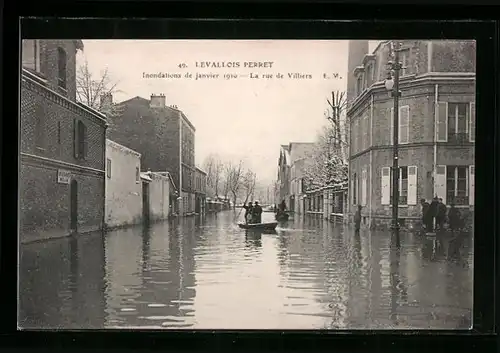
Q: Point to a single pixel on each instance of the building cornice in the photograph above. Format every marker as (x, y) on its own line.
(28, 158)
(411, 81)
(34, 84)
(368, 58)
(358, 69)
(405, 146)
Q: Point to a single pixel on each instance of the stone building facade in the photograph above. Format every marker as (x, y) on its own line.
(200, 187)
(62, 147)
(436, 130)
(300, 159)
(163, 136)
(123, 186)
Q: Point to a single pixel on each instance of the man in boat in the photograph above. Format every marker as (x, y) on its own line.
(281, 209)
(248, 212)
(257, 213)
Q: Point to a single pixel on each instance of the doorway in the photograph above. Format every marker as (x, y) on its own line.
(198, 205)
(74, 206)
(145, 202)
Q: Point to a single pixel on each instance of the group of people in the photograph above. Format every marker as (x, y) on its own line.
(253, 212)
(436, 214)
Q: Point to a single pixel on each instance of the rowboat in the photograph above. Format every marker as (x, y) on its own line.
(259, 226)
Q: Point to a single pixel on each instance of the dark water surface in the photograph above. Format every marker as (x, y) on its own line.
(208, 274)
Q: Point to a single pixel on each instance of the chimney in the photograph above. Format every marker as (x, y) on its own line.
(157, 101)
(106, 103)
(357, 50)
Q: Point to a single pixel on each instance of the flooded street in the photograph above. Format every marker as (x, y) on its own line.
(208, 274)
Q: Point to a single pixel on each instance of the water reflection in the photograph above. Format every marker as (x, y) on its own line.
(207, 273)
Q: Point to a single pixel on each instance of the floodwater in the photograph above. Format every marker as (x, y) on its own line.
(207, 273)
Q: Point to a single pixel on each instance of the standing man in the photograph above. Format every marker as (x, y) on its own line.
(433, 210)
(426, 219)
(441, 214)
(454, 218)
(248, 212)
(257, 213)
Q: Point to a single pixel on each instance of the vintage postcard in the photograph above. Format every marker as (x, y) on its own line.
(246, 184)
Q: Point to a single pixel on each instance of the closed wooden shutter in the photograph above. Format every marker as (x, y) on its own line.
(471, 184)
(412, 185)
(440, 182)
(363, 187)
(85, 141)
(472, 123)
(442, 122)
(386, 185)
(75, 139)
(404, 124)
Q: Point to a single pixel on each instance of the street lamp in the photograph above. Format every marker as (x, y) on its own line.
(392, 85)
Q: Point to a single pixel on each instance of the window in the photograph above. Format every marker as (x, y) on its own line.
(407, 185)
(404, 125)
(61, 66)
(39, 130)
(458, 122)
(354, 189)
(404, 57)
(359, 85)
(457, 185)
(80, 139)
(59, 132)
(472, 124)
(369, 75)
(364, 179)
(137, 174)
(108, 168)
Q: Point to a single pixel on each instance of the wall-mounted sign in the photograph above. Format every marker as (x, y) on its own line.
(63, 176)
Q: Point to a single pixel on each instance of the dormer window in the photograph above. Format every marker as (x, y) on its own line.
(359, 84)
(31, 54)
(404, 57)
(61, 65)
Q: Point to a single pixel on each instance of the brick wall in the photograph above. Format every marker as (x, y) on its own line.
(58, 119)
(154, 133)
(123, 191)
(49, 65)
(44, 204)
(454, 56)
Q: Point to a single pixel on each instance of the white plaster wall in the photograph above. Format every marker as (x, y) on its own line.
(159, 191)
(123, 204)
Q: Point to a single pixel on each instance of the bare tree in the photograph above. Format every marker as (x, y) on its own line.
(248, 183)
(97, 92)
(234, 178)
(214, 167)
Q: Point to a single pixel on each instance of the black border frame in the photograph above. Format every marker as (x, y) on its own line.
(481, 338)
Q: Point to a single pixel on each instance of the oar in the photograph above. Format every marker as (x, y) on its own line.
(244, 204)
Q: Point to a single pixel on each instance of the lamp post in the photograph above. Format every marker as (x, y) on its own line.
(392, 85)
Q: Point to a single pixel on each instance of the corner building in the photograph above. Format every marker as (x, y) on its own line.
(436, 129)
(164, 137)
(62, 147)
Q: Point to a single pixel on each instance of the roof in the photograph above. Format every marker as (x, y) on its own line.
(146, 177)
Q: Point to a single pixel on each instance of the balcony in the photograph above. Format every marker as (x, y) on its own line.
(458, 137)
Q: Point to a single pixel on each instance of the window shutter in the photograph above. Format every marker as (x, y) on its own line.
(75, 138)
(85, 141)
(404, 124)
(386, 185)
(440, 182)
(391, 123)
(363, 188)
(412, 185)
(472, 123)
(471, 184)
(442, 122)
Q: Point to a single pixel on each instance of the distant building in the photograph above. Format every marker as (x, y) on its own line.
(294, 159)
(62, 146)
(436, 128)
(164, 137)
(200, 191)
(123, 186)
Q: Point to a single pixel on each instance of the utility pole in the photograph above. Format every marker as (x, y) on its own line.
(392, 84)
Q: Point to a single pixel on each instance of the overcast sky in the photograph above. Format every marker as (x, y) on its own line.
(239, 118)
